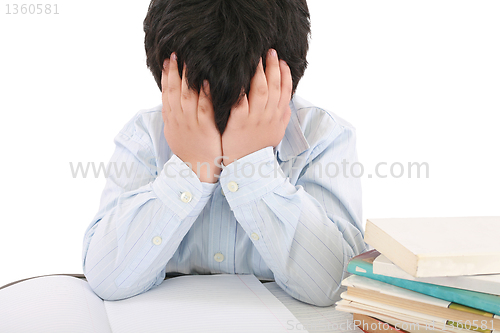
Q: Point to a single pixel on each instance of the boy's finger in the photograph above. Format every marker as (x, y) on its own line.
(205, 109)
(174, 85)
(273, 78)
(286, 86)
(189, 98)
(164, 86)
(257, 96)
(239, 113)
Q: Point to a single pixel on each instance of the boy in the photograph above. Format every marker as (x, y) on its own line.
(230, 174)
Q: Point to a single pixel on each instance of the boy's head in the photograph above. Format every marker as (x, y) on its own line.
(222, 41)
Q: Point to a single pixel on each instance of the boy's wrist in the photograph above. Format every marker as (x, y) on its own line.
(205, 171)
(210, 175)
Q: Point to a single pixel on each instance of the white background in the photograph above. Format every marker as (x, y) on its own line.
(419, 80)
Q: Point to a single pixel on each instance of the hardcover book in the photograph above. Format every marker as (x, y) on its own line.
(442, 246)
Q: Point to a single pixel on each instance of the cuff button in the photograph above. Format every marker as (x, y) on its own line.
(186, 197)
(232, 186)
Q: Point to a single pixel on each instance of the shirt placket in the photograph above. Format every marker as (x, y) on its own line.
(222, 231)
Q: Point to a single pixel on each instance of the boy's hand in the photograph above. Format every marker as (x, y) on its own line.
(260, 119)
(190, 128)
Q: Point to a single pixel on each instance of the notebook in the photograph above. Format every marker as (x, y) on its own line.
(191, 303)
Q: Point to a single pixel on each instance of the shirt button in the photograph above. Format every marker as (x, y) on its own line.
(186, 197)
(255, 236)
(157, 240)
(222, 191)
(219, 257)
(232, 186)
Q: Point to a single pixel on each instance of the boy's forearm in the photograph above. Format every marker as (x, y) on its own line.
(303, 233)
(128, 247)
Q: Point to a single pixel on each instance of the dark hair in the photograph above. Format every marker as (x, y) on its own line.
(222, 41)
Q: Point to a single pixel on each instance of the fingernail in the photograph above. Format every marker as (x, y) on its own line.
(173, 56)
(205, 84)
(272, 53)
(166, 63)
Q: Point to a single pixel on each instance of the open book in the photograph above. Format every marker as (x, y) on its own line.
(194, 303)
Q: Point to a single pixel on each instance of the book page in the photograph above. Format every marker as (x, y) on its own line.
(52, 304)
(202, 303)
(314, 319)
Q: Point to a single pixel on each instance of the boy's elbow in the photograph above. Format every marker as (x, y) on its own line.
(316, 301)
(108, 291)
(332, 291)
(332, 295)
(323, 301)
(115, 297)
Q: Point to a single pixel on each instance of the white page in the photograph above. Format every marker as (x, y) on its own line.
(202, 303)
(52, 304)
(314, 318)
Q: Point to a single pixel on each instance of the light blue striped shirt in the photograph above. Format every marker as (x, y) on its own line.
(290, 214)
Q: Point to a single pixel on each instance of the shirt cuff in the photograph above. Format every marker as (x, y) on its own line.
(251, 177)
(178, 187)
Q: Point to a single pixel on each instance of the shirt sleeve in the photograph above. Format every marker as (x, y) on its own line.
(143, 216)
(307, 232)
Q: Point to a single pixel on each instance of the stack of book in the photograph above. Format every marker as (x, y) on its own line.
(426, 275)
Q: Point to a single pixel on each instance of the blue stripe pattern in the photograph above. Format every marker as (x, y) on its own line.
(295, 216)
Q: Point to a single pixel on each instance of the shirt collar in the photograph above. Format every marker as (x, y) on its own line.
(294, 141)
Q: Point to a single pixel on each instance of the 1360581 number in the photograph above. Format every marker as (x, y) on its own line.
(35, 9)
